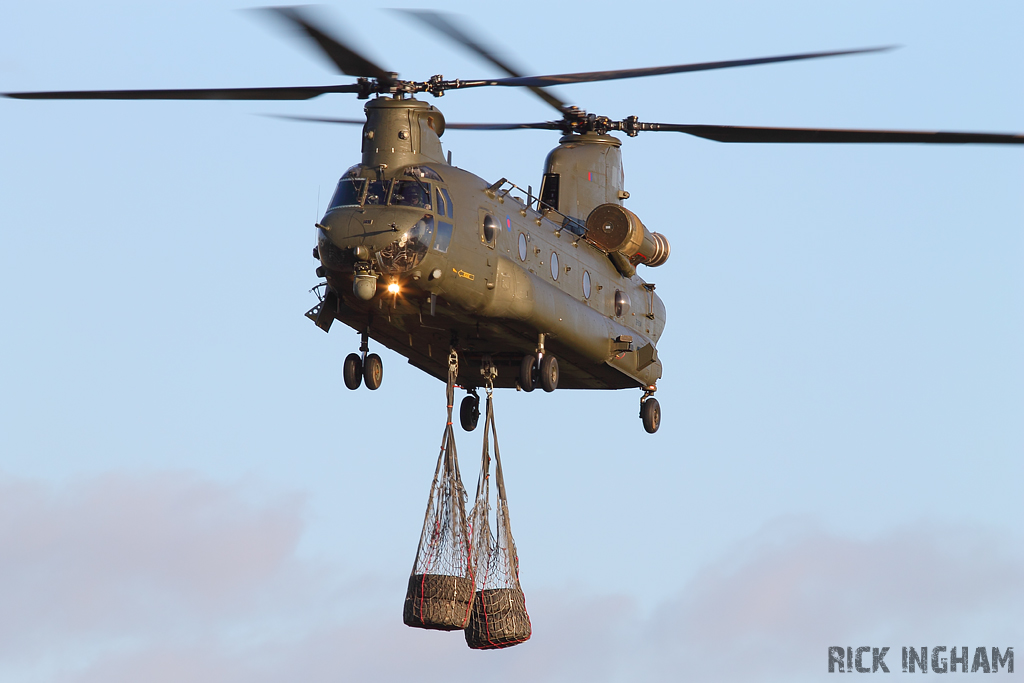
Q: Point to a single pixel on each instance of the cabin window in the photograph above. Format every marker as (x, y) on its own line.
(549, 191)
(347, 193)
(414, 193)
(586, 284)
(522, 247)
(489, 230)
(621, 303)
(448, 201)
(554, 266)
(444, 236)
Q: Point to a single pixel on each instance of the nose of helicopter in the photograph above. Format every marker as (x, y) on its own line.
(395, 238)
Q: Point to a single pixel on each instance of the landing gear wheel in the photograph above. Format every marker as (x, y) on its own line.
(528, 372)
(353, 371)
(469, 412)
(650, 413)
(373, 371)
(549, 373)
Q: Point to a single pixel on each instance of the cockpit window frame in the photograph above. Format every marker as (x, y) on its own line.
(358, 199)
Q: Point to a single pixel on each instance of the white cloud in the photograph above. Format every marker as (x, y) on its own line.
(173, 578)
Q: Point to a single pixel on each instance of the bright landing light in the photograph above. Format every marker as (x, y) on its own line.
(393, 288)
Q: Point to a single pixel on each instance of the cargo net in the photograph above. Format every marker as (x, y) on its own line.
(440, 591)
(499, 618)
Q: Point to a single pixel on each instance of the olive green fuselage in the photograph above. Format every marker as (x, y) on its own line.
(453, 246)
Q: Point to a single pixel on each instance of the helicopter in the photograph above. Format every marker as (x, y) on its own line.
(532, 290)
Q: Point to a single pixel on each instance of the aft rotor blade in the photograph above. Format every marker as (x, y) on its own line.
(833, 135)
(544, 125)
(285, 93)
(447, 27)
(586, 77)
(347, 60)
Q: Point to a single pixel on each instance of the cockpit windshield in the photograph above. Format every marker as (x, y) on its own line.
(355, 191)
(377, 192)
(411, 193)
(347, 193)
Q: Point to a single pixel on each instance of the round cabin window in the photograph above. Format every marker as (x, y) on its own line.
(490, 229)
(554, 266)
(586, 284)
(621, 303)
(522, 247)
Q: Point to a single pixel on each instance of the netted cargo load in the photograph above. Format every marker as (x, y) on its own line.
(441, 587)
(499, 618)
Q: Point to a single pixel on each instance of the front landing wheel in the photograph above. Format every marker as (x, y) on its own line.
(353, 371)
(528, 372)
(549, 373)
(650, 413)
(373, 371)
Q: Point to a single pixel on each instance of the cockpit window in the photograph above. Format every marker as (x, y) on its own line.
(448, 201)
(408, 250)
(422, 172)
(377, 192)
(441, 204)
(347, 193)
(411, 193)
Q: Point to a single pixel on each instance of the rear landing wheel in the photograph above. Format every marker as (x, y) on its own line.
(469, 412)
(650, 413)
(353, 371)
(549, 373)
(373, 371)
(528, 372)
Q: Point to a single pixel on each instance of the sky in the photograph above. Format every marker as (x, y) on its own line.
(188, 492)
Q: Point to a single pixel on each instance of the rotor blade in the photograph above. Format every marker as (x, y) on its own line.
(447, 27)
(285, 93)
(586, 77)
(832, 135)
(347, 60)
(544, 125)
(276, 93)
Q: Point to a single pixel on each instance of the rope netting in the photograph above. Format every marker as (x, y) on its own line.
(440, 592)
(498, 618)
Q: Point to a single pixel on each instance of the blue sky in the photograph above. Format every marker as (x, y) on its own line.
(189, 492)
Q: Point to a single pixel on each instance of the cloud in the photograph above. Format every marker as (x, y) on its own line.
(123, 555)
(773, 607)
(171, 577)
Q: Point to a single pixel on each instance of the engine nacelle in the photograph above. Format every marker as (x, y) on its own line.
(617, 229)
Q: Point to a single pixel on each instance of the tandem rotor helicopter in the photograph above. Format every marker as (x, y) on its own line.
(532, 290)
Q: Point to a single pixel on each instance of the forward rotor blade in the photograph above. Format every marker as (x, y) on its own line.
(832, 135)
(347, 60)
(447, 27)
(285, 93)
(544, 125)
(586, 77)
